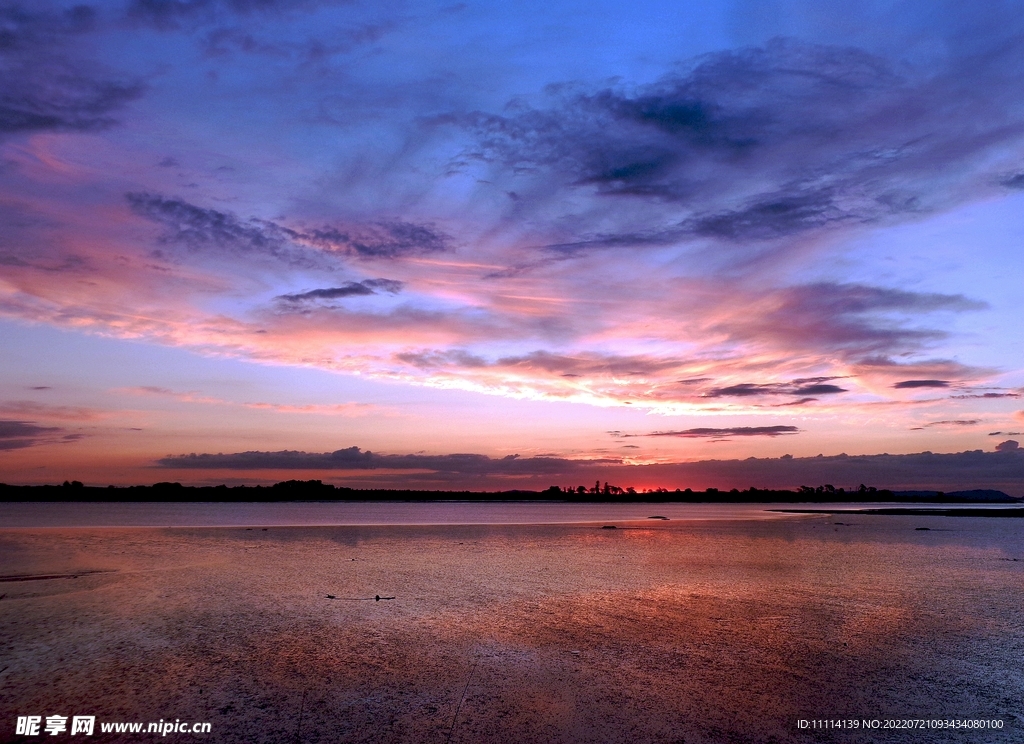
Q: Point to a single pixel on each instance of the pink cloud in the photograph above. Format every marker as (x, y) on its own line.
(336, 409)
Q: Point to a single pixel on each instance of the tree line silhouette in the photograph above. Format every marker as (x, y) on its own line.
(315, 490)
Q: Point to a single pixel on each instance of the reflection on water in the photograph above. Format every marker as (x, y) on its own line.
(726, 629)
(262, 514)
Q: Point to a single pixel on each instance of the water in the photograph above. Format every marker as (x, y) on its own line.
(264, 514)
(511, 622)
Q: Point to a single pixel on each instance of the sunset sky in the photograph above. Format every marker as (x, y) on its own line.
(614, 239)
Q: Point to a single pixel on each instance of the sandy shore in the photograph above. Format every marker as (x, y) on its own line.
(652, 632)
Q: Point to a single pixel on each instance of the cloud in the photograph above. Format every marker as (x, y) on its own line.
(352, 458)
(736, 431)
(800, 387)
(797, 402)
(1015, 182)
(173, 14)
(984, 396)
(200, 229)
(21, 434)
(854, 319)
(1009, 445)
(193, 396)
(730, 150)
(925, 470)
(547, 363)
(222, 41)
(350, 289)
(383, 239)
(891, 372)
(44, 84)
(757, 144)
(910, 384)
(42, 410)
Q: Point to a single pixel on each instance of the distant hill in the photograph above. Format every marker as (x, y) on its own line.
(975, 496)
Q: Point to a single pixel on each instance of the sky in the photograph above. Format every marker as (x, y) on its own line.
(486, 245)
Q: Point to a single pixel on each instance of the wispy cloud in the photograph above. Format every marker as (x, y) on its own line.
(948, 423)
(760, 144)
(35, 410)
(734, 431)
(45, 82)
(200, 229)
(22, 434)
(324, 409)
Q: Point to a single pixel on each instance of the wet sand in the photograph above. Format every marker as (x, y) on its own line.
(656, 631)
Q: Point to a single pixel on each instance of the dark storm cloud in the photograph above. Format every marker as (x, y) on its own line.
(44, 83)
(910, 384)
(199, 228)
(736, 431)
(21, 434)
(352, 458)
(350, 289)
(763, 143)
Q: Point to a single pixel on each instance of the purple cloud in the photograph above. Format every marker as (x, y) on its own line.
(21, 434)
(911, 384)
(735, 431)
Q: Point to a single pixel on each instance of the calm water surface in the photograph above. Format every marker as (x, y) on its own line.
(262, 514)
(510, 622)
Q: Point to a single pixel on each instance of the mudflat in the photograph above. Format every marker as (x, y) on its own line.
(662, 630)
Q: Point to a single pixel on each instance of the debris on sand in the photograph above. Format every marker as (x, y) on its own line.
(47, 577)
